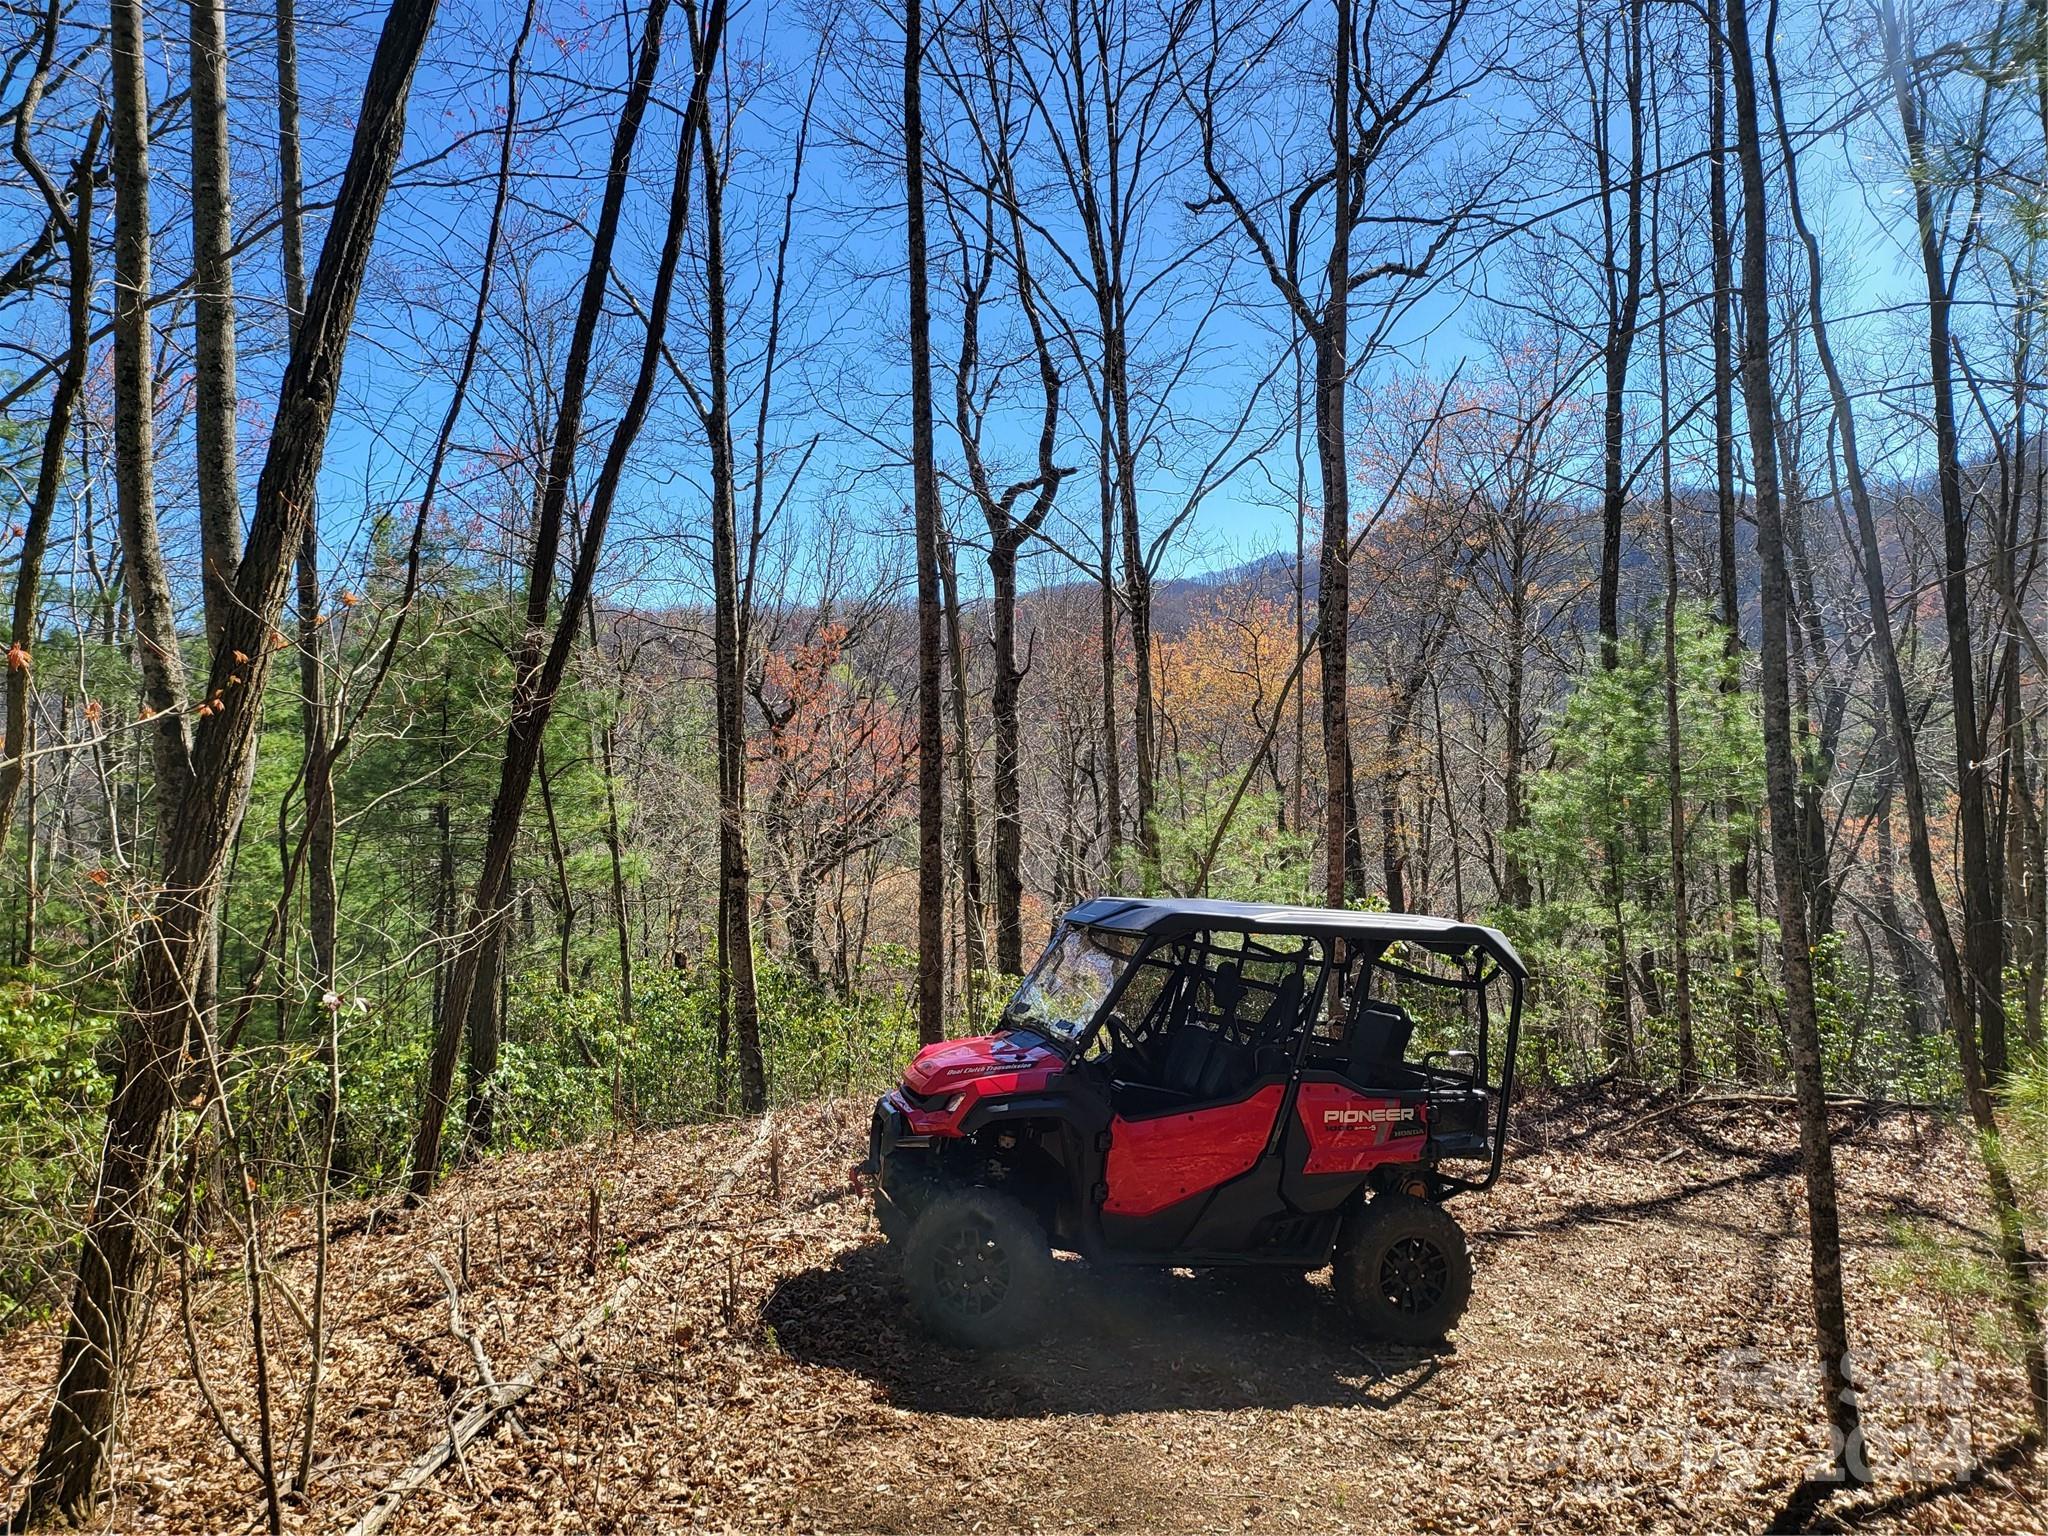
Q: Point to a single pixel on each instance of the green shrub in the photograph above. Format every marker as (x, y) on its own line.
(53, 1095)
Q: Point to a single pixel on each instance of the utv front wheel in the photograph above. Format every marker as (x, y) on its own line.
(1403, 1270)
(978, 1268)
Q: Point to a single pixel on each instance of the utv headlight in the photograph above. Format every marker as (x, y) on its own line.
(955, 1102)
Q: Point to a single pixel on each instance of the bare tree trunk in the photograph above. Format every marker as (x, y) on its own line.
(565, 899)
(1137, 585)
(213, 310)
(615, 845)
(994, 100)
(148, 587)
(1112, 740)
(1983, 936)
(735, 874)
(1514, 809)
(322, 896)
(543, 658)
(1622, 277)
(1333, 595)
(931, 745)
(156, 1030)
(1905, 957)
(2013, 1248)
(486, 1034)
(967, 835)
(2024, 874)
(72, 219)
(1674, 761)
(1840, 1398)
(1742, 947)
(1622, 273)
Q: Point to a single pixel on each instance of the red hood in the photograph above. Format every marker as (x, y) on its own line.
(952, 1063)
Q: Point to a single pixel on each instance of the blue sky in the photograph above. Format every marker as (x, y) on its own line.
(843, 381)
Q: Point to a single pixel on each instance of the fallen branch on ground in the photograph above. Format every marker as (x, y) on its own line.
(467, 1335)
(1853, 1101)
(563, 1347)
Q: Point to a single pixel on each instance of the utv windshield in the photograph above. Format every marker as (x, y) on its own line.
(1060, 997)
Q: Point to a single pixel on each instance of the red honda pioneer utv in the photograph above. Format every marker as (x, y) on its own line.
(1206, 1083)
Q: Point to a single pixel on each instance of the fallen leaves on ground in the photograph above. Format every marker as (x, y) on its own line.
(1636, 1358)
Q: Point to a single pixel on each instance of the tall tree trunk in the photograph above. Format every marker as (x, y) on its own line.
(542, 658)
(924, 470)
(323, 903)
(486, 1034)
(1983, 936)
(153, 609)
(1749, 1056)
(1333, 597)
(1514, 808)
(1622, 276)
(1674, 759)
(156, 1031)
(735, 872)
(73, 222)
(1009, 530)
(1840, 1399)
(966, 830)
(615, 846)
(1112, 741)
(213, 312)
(1006, 781)
(2013, 1248)
(1138, 599)
(1899, 944)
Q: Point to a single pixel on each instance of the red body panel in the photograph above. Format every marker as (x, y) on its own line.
(1160, 1161)
(978, 1067)
(1349, 1131)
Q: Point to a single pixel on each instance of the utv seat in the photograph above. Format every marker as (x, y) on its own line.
(1379, 1034)
(1201, 1064)
(1374, 1046)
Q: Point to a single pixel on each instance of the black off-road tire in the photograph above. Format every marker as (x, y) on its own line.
(979, 1269)
(1403, 1270)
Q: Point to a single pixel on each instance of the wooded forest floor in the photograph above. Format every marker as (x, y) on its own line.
(766, 1375)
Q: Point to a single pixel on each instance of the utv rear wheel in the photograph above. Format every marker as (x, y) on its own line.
(978, 1268)
(1404, 1271)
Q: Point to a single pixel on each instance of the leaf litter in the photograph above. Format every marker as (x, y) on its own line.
(1636, 1358)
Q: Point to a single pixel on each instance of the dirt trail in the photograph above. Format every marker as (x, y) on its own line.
(1632, 1361)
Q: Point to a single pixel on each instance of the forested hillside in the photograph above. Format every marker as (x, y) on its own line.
(575, 573)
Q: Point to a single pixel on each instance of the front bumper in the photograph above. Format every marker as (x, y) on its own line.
(884, 1174)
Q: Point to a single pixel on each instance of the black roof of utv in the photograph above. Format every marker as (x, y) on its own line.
(1158, 917)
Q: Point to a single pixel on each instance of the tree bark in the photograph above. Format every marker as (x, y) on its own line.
(1749, 1064)
(1840, 1399)
(1983, 935)
(1622, 274)
(153, 609)
(924, 471)
(1333, 595)
(323, 902)
(486, 1035)
(735, 872)
(213, 312)
(72, 218)
(966, 832)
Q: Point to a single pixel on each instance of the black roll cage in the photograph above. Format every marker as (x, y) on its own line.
(1369, 955)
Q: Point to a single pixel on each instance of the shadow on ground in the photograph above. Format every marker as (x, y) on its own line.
(1120, 1341)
